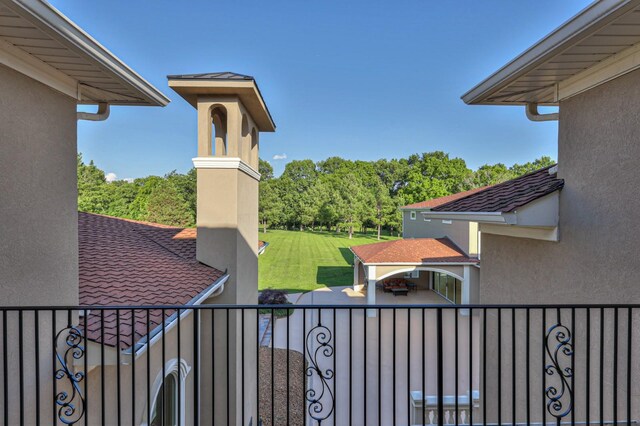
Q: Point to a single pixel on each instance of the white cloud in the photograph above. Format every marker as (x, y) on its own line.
(111, 177)
(282, 156)
(130, 180)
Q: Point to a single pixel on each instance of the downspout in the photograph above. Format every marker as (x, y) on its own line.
(532, 114)
(101, 115)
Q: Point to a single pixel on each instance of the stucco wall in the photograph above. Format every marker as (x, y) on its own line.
(38, 223)
(595, 260)
(464, 234)
(598, 154)
(228, 240)
(38, 194)
(154, 380)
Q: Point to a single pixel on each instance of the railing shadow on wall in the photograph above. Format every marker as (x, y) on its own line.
(409, 365)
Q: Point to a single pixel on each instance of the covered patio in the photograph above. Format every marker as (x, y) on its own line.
(408, 267)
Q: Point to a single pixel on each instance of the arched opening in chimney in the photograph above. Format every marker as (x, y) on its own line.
(243, 150)
(219, 133)
(254, 162)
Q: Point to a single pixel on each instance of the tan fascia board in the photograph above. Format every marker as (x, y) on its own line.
(246, 90)
(594, 17)
(56, 25)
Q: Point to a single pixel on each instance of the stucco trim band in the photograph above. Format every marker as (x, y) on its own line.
(225, 163)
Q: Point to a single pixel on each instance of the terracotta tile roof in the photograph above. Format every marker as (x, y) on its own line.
(508, 196)
(435, 202)
(413, 250)
(126, 262)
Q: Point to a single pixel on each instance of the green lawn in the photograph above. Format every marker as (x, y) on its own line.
(304, 261)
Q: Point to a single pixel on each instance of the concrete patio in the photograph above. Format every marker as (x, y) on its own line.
(381, 356)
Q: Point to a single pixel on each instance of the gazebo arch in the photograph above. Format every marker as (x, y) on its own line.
(418, 268)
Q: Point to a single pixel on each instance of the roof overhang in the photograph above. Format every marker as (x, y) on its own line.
(246, 90)
(537, 219)
(423, 263)
(39, 41)
(605, 35)
(481, 217)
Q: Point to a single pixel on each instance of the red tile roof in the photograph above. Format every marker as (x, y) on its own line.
(127, 262)
(414, 250)
(435, 202)
(508, 196)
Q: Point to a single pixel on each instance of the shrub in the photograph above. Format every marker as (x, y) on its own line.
(273, 297)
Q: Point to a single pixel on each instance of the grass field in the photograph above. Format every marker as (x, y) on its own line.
(303, 261)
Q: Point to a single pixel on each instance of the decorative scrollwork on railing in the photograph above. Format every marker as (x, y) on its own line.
(68, 348)
(318, 348)
(560, 351)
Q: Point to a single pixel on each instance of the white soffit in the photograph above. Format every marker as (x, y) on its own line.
(39, 41)
(607, 32)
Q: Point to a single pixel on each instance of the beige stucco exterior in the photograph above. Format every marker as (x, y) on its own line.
(595, 260)
(227, 221)
(463, 233)
(38, 230)
(38, 216)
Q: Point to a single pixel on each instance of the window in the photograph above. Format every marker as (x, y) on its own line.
(167, 403)
(412, 274)
(446, 222)
(448, 287)
(412, 215)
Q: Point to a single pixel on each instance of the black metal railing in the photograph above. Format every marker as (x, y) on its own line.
(325, 365)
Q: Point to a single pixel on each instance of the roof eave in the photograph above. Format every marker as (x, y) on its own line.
(483, 217)
(593, 17)
(155, 335)
(187, 87)
(57, 25)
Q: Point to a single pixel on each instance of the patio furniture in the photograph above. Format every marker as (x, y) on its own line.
(400, 291)
(412, 286)
(394, 283)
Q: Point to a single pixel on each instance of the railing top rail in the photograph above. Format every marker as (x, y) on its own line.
(338, 307)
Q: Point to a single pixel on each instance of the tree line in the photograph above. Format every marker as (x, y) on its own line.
(335, 194)
(344, 195)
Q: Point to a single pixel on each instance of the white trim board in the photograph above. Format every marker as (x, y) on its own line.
(225, 163)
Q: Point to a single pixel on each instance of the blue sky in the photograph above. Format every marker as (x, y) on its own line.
(357, 79)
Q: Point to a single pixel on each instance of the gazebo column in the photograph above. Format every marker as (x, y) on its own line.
(371, 289)
(356, 274)
(466, 285)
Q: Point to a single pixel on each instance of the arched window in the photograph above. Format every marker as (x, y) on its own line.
(169, 395)
(165, 407)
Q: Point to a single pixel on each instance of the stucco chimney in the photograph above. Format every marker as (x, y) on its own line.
(231, 113)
